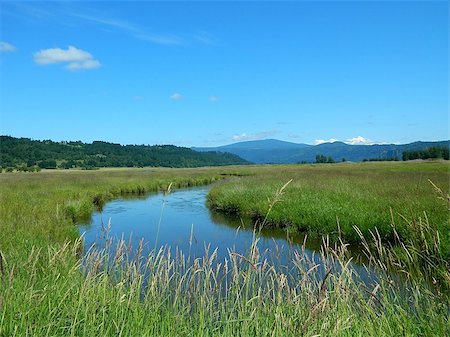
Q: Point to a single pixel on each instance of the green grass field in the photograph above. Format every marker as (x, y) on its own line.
(332, 199)
(46, 291)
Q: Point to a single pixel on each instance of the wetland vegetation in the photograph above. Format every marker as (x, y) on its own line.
(396, 198)
(397, 212)
(310, 139)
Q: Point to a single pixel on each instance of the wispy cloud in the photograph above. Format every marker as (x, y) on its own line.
(26, 10)
(206, 38)
(107, 22)
(160, 39)
(64, 14)
(6, 47)
(135, 31)
(321, 141)
(359, 140)
(253, 136)
(213, 98)
(76, 59)
(176, 97)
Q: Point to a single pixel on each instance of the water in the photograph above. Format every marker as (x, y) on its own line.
(181, 220)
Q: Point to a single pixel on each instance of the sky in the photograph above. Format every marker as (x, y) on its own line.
(213, 73)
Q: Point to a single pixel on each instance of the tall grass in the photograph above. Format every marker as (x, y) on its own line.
(48, 289)
(38, 209)
(122, 293)
(395, 198)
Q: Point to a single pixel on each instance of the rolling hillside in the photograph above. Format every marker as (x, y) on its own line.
(276, 151)
(24, 152)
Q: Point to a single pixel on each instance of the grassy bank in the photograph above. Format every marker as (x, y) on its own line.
(160, 295)
(397, 198)
(38, 209)
(46, 290)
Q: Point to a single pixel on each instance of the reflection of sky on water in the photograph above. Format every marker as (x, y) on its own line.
(179, 213)
(182, 211)
(118, 209)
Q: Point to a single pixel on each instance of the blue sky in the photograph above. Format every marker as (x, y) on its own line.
(213, 73)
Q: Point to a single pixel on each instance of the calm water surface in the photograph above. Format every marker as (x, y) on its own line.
(181, 213)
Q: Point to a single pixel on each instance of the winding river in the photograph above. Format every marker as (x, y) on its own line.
(182, 221)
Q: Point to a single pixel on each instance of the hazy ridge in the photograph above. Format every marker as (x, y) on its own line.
(277, 151)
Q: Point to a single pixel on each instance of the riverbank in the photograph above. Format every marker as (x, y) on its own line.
(398, 199)
(46, 291)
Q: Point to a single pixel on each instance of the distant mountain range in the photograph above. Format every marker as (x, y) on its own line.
(21, 153)
(277, 151)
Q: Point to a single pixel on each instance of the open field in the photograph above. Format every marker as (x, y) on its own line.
(40, 208)
(332, 199)
(45, 290)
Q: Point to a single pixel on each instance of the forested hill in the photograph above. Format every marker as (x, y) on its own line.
(276, 151)
(24, 152)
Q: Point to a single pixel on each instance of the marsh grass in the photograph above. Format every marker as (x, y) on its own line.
(395, 199)
(48, 289)
(117, 291)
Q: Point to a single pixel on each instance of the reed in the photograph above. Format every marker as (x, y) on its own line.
(396, 199)
(49, 288)
(116, 291)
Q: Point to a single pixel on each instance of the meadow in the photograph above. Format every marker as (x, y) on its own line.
(397, 198)
(48, 288)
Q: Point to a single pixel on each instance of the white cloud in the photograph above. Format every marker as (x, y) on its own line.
(176, 97)
(213, 98)
(88, 64)
(57, 55)
(76, 58)
(321, 141)
(242, 136)
(358, 141)
(6, 47)
(254, 136)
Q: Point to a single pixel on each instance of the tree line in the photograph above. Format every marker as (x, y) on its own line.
(24, 154)
(434, 152)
